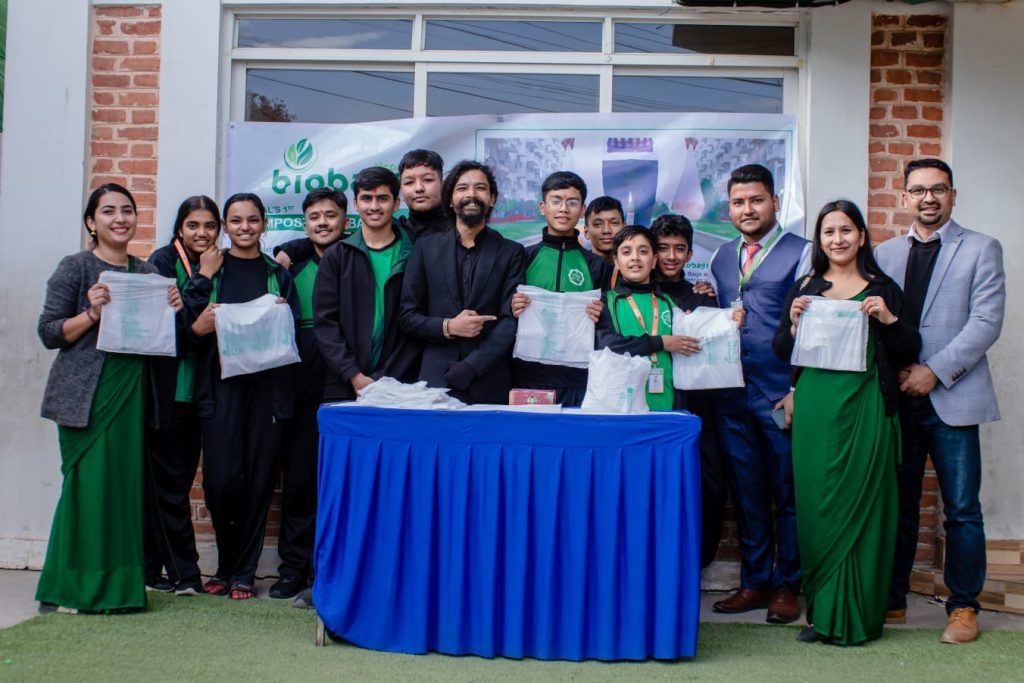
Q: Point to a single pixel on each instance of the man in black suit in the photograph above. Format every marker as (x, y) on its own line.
(457, 293)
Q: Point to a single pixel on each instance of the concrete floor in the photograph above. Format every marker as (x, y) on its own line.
(17, 604)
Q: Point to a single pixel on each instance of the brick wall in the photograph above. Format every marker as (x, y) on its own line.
(909, 76)
(125, 98)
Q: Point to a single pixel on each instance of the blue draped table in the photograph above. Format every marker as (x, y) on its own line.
(514, 534)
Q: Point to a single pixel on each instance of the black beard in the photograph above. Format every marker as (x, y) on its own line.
(471, 220)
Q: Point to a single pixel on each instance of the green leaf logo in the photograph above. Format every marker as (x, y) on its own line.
(300, 155)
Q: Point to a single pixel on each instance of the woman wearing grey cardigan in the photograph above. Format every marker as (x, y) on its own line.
(94, 557)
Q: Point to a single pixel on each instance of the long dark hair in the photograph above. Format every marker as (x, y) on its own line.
(452, 179)
(199, 202)
(867, 266)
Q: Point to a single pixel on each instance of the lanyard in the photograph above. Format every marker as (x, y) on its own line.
(760, 256)
(640, 319)
(184, 257)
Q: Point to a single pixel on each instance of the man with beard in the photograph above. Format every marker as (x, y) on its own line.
(955, 295)
(457, 297)
(325, 216)
(420, 172)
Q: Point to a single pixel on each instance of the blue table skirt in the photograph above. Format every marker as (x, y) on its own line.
(556, 536)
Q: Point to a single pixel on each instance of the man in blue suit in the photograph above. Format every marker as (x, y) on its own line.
(758, 268)
(954, 294)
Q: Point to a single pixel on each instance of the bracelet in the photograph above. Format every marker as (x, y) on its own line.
(444, 328)
(88, 314)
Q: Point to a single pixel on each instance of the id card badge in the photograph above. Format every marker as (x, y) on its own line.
(656, 381)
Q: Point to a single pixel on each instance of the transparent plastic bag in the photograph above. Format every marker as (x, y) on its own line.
(833, 335)
(616, 383)
(138, 318)
(254, 336)
(388, 392)
(554, 329)
(718, 364)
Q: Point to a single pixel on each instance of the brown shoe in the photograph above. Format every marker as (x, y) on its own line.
(784, 608)
(743, 600)
(896, 616)
(962, 627)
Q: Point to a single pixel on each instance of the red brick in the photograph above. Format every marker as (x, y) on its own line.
(903, 38)
(140, 28)
(898, 76)
(138, 98)
(110, 81)
(902, 218)
(146, 80)
(98, 180)
(111, 149)
(904, 111)
(110, 47)
(103, 165)
(929, 77)
(922, 95)
(140, 249)
(925, 21)
(141, 64)
(143, 149)
(882, 165)
(145, 215)
(154, 11)
(897, 183)
(137, 166)
(919, 131)
(932, 113)
(876, 147)
(884, 58)
(876, 75)
(145, 47)
(109, 115)
(118, 11)
(138, 133)
(929, 519)
(925, 61)
(102, 98)
(929, 149)
(883, 130)
(882, 200)
(887, 20)
(106, 26)
(877, 38)
(935, 40)
(104, 63)
(102, 133)
(145, 199)
(925, 555)
(144, 116)
(879, 235)
(884, 95)
(145, 233)
(901, 149)
(143, 183)
(876, 113)
(876, 182)
(877, 218)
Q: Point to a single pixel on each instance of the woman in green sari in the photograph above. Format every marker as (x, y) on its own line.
(94, 558)
(846, 438)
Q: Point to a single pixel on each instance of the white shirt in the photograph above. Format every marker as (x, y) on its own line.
(938, 234)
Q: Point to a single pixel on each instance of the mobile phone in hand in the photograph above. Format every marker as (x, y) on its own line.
(779, 417)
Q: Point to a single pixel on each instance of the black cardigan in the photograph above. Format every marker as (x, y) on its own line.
(896, 345)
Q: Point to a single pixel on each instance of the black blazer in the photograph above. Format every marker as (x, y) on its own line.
(431, 293)
(896, 345)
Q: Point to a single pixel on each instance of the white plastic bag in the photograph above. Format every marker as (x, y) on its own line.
(832, 334)
(254, 336)
(554, 329)
(138, 318)
(388, 392)
(616, 383)
(718, 364)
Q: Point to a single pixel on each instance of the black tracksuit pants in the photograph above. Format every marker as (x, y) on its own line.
(172, 456)
(241, 442)
(299, 490)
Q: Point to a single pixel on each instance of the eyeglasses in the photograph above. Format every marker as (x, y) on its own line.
(556, 203)
(939, 191)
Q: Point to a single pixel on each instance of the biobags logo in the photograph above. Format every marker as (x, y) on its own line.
(298, 158)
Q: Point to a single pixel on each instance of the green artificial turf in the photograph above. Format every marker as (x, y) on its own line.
(213, 639)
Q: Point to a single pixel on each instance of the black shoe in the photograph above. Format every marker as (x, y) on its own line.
(47, 608)
(191, 586)
(809, 635)
(304, 599)
(160, 584)
(288, 587)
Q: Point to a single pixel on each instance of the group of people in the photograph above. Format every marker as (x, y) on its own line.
(824, 467)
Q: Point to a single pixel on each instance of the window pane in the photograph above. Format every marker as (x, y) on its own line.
(714, 40)
(671, 93)
(320, 96)
(457, 94)
(520, 36)
(364, 34)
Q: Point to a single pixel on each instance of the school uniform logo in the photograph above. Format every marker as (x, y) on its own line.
(576, 276)
(666, 319)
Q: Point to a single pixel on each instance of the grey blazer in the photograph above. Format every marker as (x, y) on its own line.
(961, 319)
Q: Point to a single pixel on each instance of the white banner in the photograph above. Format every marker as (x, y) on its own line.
(652, 163)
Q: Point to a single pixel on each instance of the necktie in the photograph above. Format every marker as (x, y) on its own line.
(752, 250)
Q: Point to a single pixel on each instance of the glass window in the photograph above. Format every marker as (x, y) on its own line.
(696, 94)
(455, 94)
(324, 96)
(714, 40)
(338, 34)
(518, 36)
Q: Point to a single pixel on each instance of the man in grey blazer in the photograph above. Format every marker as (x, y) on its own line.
(954, 295)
